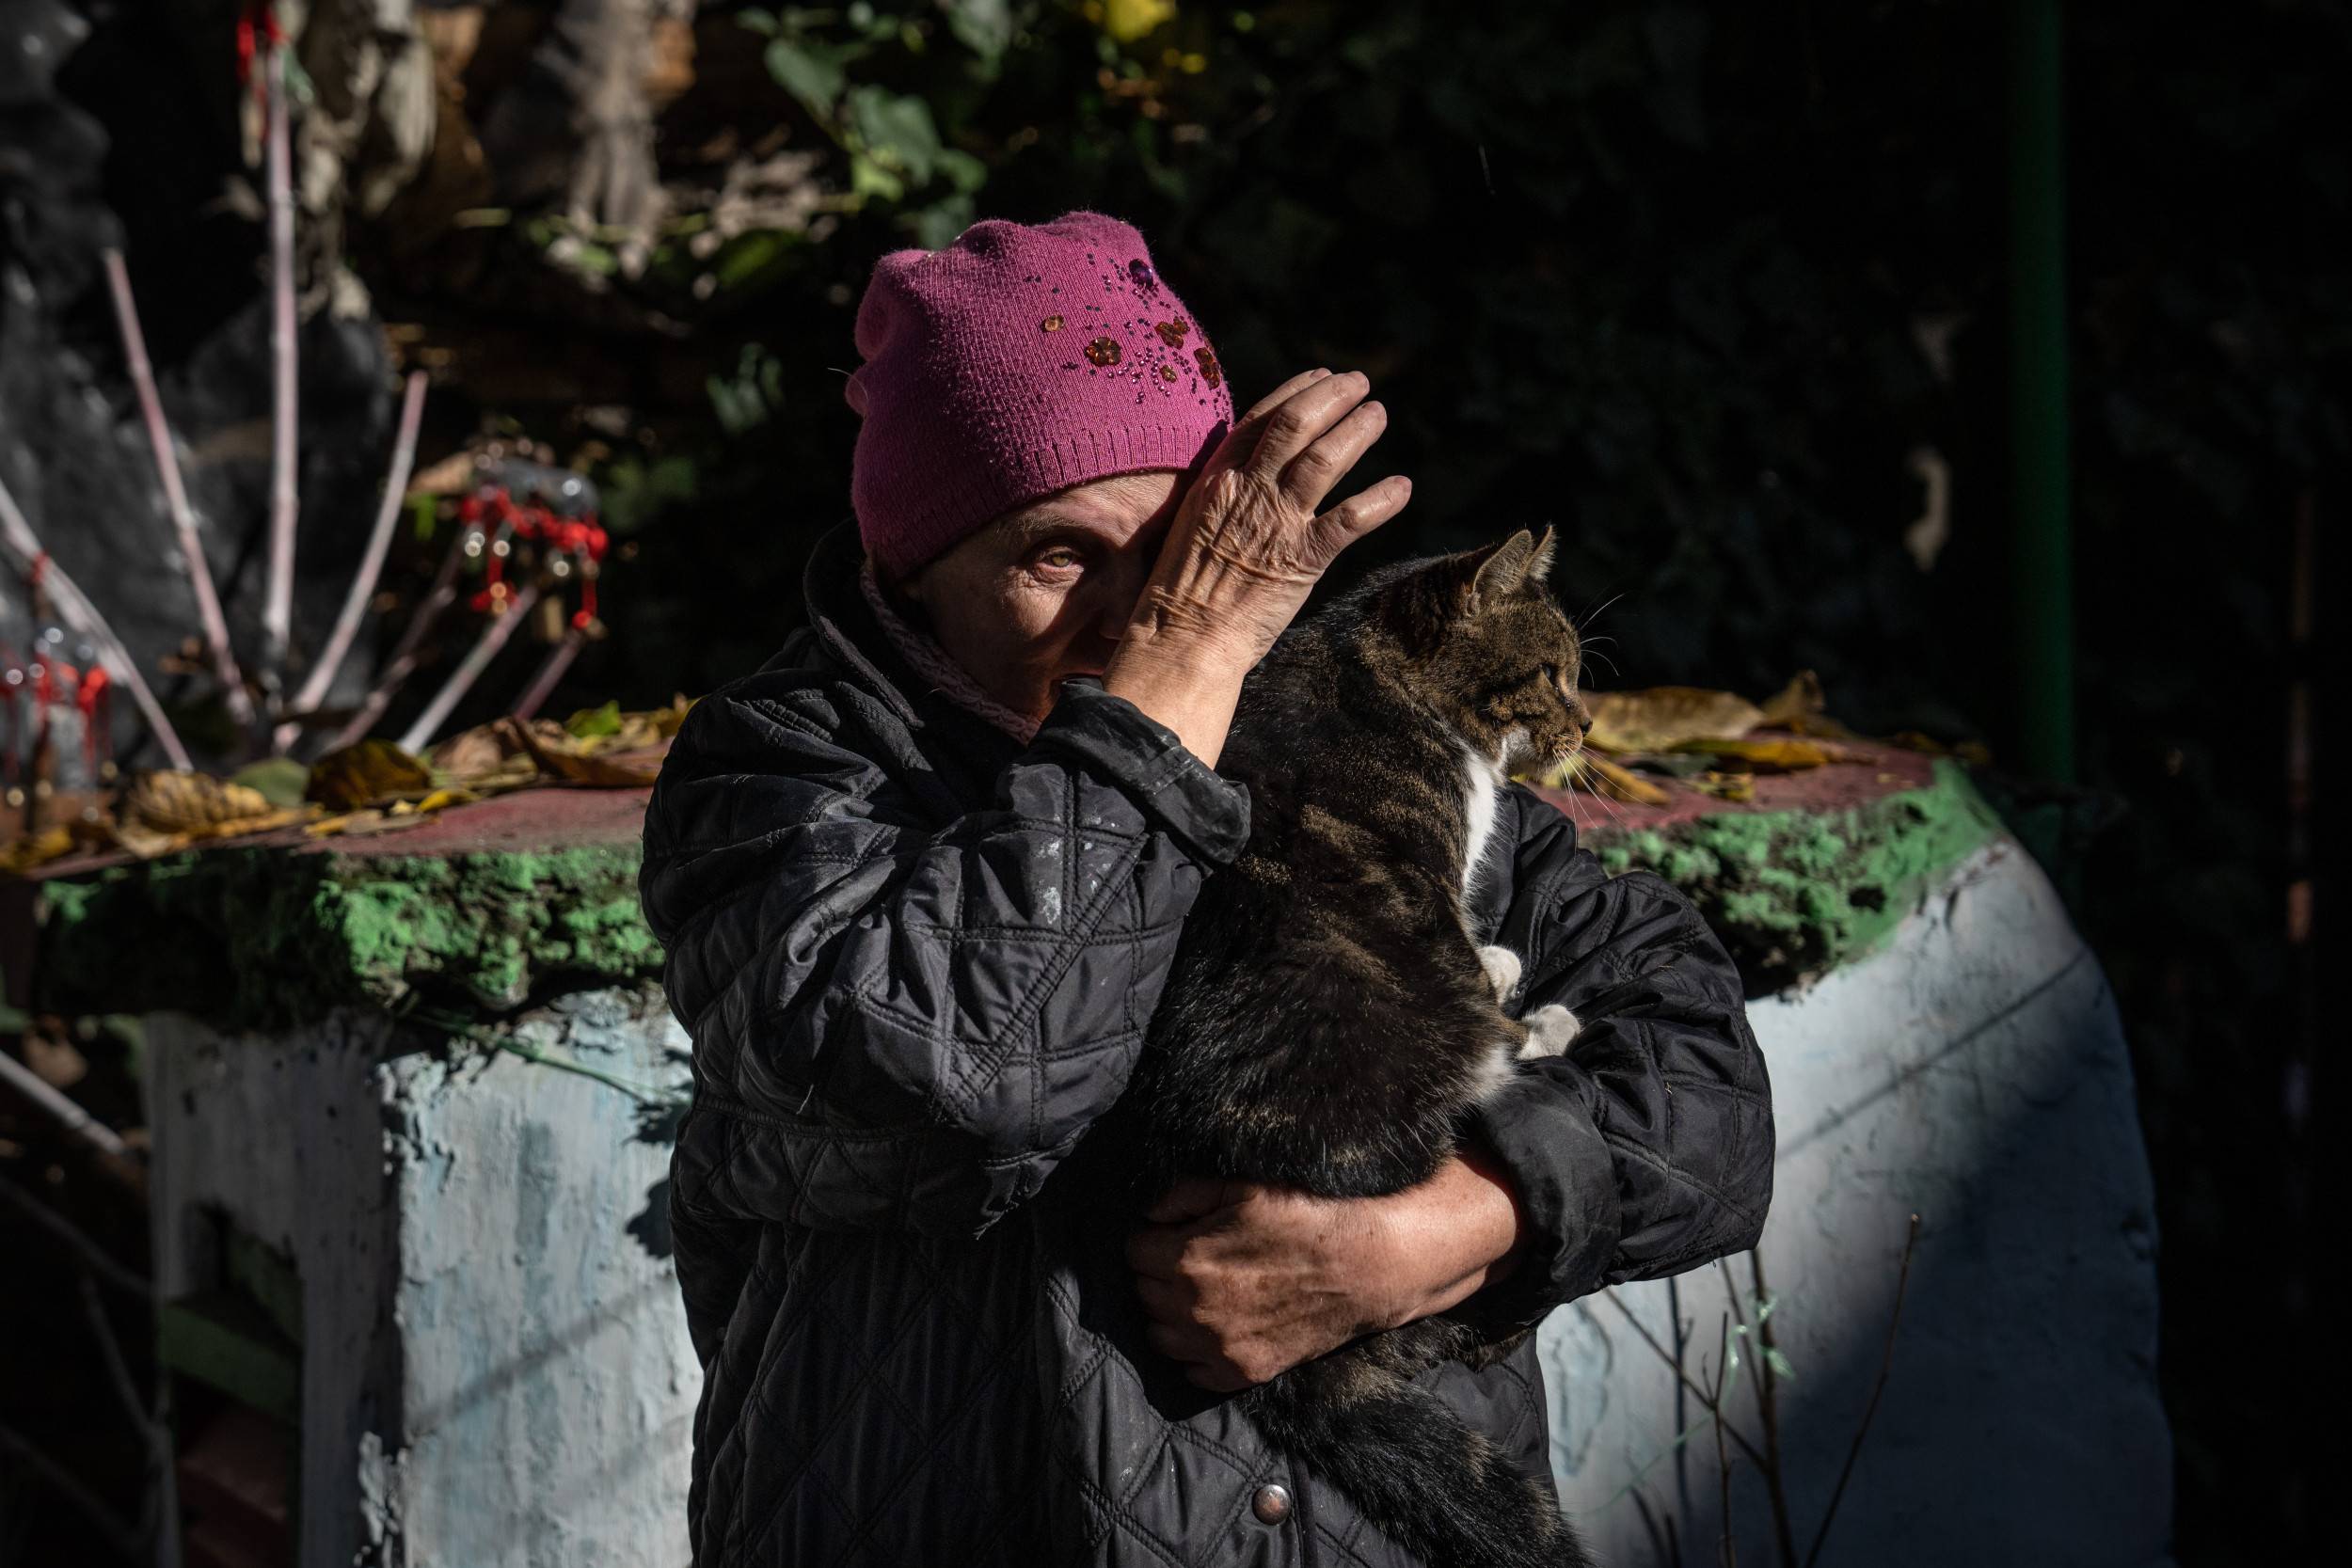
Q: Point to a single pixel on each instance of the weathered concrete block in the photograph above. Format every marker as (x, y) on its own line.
(1971, 1071)
(494, 1361)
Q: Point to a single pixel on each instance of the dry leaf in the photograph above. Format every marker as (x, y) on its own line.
(371, 770)
(281, 780)
(1605, 779)
(27, 850)
(1664, 717)
(1763, 756)
(470, 754)
(1725, 787)
(1799, 699)
(186, 803)
(586, 769)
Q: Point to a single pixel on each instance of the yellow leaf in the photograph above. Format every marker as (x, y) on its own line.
(371, 770)
(188, 803)
(1763, 756)
(1129, 20)
(31, 849)
(1664, 716)
(1605, 779)
(1799, 699)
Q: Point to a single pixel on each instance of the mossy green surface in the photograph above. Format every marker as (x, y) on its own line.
(1792, 894)
(264, 939)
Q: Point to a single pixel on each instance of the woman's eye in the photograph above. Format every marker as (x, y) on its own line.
(1059, 560)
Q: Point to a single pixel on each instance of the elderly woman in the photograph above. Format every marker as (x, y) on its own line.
(920, 879)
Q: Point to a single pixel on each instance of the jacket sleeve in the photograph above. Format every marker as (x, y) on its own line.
(899, 1023)
(1647, 1149)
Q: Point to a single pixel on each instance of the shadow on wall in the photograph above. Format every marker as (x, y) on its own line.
(652, 1226)
(1972, 1072)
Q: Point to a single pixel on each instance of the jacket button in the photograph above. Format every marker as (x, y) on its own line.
(1272, 1505)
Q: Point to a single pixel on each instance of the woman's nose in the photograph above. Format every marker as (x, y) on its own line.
(1121, 589)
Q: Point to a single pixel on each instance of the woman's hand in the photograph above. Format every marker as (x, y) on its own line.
(1246, 547)
(1242, 1282)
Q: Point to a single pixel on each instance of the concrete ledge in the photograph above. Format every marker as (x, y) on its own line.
(475, 909)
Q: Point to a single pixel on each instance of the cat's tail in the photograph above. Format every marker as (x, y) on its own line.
(1410, 1464)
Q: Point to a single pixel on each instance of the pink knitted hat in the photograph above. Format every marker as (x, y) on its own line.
(1016, 362)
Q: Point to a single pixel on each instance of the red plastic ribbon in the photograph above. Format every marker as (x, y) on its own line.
(496, 513)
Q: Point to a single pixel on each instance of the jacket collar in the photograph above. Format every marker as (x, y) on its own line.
(843, 623)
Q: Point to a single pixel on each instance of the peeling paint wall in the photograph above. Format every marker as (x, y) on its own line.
(1972, 1070)
(496, 1368)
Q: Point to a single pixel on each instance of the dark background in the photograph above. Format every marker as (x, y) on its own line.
(1691, 281)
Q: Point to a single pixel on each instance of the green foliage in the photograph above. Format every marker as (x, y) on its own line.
(891, 137)
(744, 400)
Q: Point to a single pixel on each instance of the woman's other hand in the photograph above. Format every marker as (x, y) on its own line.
(1246, 547)
(1242, 1281)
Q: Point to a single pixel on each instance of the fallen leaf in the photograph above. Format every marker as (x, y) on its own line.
(1763, 756)
(382, 822)
(281, 781)
(470, 754)
(185, 802)
(27, 850)
(1738, 787)
(1605, 779)
(370, 770)
(1800, 699)
(1664, 716)
(590, 722)
(586, 769)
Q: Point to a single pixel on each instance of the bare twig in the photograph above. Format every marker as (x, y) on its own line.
(175, 493)
(1760, 1376)
(121, 1538)
(354, 610)
(1886, 1363)
(76, 1121)
(93, 1256)
(1728, 1552)
(461, 680)
(83, 617)
(284, 509)
(550, 671)
(403, 661)
(1705, 1398)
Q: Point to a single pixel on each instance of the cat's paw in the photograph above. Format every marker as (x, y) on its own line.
(1550, 1028)
(1503, 970)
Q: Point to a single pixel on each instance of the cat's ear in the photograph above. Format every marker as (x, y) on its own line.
(1539, 565)
(1496, 572)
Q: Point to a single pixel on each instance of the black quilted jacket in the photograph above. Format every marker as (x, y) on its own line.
(917, 961)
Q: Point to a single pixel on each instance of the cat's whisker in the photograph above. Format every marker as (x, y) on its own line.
(1598, 613)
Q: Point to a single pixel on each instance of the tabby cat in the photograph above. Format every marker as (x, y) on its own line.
(1329, 1020)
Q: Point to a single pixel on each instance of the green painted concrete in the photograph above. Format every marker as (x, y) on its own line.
(266, 938)
(1793, 894)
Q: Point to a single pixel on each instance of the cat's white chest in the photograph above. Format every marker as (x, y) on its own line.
(1482, 785)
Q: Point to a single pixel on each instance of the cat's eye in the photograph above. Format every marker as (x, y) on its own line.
(1551, 676)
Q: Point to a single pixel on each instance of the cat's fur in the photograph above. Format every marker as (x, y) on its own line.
(1329, 1019)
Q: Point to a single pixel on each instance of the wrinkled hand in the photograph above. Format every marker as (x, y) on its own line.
(1242, 1282)
(1246, 547)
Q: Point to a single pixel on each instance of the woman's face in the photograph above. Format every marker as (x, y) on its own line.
(1045, 592)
